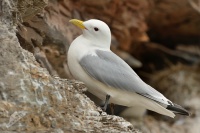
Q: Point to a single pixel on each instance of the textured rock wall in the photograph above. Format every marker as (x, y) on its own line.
(33, 101)
(53, 34)
(175, 21)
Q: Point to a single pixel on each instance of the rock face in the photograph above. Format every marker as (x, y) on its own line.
(175, 21)
(33, 101)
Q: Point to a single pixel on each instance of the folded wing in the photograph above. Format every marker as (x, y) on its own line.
(111, 70)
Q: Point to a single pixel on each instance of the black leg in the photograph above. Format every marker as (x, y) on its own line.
(106, 102)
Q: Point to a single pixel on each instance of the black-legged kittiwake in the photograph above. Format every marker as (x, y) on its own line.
(107, 76)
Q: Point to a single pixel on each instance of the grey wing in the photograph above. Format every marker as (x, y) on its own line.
(111, 70)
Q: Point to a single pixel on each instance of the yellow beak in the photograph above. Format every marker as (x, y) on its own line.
(78, 23)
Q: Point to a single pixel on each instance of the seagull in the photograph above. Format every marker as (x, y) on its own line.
(107, 76)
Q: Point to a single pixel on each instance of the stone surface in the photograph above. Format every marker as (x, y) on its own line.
(33, 101)
(174, 21)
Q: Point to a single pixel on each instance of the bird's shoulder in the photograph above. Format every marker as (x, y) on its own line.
(105, 55)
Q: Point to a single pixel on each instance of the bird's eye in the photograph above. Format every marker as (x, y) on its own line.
(96, 29)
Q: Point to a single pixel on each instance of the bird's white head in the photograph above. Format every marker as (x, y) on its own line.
(96, 31)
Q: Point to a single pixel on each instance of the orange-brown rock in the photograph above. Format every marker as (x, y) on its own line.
(174, 21)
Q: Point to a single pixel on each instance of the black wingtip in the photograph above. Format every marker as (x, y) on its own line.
(177, 109)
